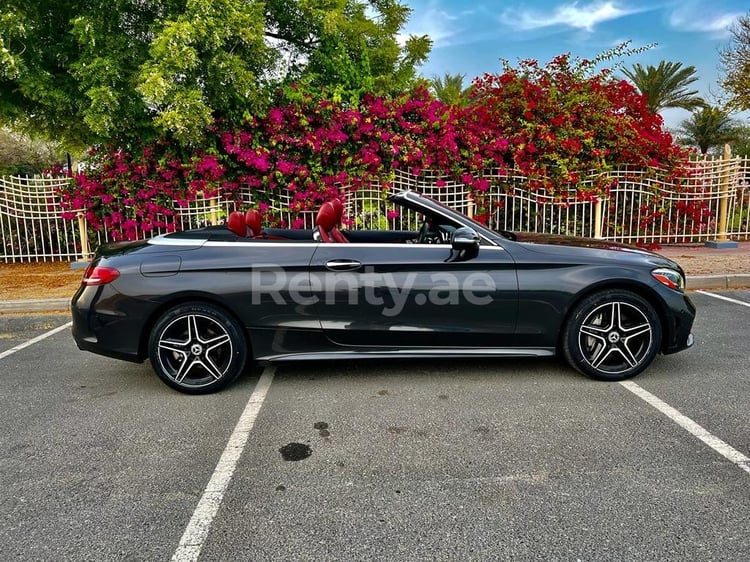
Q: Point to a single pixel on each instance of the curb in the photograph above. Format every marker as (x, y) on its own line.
(34, 305)
(720, 281)
(693, 282)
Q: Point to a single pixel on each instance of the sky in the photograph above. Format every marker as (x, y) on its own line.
(470, 37)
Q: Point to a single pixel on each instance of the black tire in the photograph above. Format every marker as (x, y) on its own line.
(197, 348)
(612, 335)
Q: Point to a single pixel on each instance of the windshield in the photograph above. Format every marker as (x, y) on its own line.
(444, 212)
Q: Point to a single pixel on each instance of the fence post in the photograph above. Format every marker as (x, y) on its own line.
(724, 201)
(84, 233)
(598, 218)
(722, 241)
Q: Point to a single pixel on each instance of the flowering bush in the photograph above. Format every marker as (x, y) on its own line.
(550, 123)
(562, 119)
(129, 196)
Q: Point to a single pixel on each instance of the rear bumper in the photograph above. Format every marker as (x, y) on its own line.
(99, 327)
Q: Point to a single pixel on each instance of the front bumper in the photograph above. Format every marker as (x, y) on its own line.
(680, 318)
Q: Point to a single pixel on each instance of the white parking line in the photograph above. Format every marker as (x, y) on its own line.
(725, 450)
(200, 523)
(32, 341)
(722, 297)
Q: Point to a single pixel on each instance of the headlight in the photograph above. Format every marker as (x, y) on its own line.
(670, 278)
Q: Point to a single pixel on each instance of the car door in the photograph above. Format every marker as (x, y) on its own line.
(264, 282)
(413, 295)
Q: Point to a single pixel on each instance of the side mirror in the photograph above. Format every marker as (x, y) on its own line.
(465, 241)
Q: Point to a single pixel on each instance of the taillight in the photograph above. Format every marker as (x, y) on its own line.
(670, 278)
(99, 275)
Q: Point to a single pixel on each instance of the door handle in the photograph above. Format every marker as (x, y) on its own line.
(343, 265)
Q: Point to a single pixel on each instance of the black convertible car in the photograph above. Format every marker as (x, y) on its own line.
(203, 303)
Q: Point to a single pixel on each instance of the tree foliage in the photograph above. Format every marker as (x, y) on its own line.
(338, 47)
(450, 89)
(708, 128)
(204, 62)
(134, 69)
(21, 155)
(741, 143)
(666, 85)
(735, 63)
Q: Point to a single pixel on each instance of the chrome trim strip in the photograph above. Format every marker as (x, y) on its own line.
(413, 353)
(161, 240)
(262, 244)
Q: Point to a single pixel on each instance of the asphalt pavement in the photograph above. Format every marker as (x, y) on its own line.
(418, 460)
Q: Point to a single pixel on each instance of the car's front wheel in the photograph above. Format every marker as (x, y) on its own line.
(197, 348)
(612, 335)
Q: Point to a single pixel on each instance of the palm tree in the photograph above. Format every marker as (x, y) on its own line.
(666, 85)
(450, 88)
(707, 128)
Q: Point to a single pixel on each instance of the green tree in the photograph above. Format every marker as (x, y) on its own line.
(85, 71)
(69, 66)
(666, 85)
(707, 128)
(735, 63)
(22, 155)
(205, 61)
(339, 45)
(741, 143)
(449, 88)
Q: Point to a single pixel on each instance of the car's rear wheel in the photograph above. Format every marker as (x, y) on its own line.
(612, 335)
(197, 348)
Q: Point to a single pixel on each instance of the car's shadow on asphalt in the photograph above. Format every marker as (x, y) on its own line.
(463, 368)
(114, 376)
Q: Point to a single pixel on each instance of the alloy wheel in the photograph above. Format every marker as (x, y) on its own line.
(194, 350)
(615, 337)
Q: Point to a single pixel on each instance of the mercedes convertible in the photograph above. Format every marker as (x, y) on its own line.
(202, 304)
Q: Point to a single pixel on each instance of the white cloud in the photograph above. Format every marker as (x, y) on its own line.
(717, 25)
(574, 14)
(440, 25)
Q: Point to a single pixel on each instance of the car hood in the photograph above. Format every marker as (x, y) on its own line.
(546, 242)
(577, 242)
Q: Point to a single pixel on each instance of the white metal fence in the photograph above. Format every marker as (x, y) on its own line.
(31, 225)
(644, 206)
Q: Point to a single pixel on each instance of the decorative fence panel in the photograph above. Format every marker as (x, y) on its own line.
(31, 225)
(644, 207)
(199, 213)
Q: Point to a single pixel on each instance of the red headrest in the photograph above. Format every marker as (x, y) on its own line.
(326, 218)
(236, 223)
(253, 221)
(338, 206)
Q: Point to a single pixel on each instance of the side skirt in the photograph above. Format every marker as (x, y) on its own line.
(412, 353)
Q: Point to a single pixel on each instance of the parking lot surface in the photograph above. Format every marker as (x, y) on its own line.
(418, 460)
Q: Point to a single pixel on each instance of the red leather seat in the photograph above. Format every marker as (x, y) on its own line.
(236, 223)
(327, 221)
(338, 206)
(254, 223)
